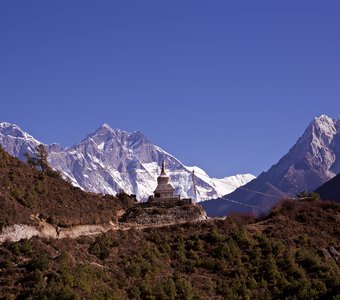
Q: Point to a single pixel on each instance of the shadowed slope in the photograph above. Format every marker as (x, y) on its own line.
(330, 190)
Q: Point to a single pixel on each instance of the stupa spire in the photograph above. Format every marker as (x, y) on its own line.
(163, 168)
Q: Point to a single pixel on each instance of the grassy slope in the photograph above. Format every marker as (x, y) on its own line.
(276, 257)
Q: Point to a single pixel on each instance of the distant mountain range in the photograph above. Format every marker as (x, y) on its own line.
(312, 161)
(109, 160)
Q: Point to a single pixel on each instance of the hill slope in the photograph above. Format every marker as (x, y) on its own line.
(291, 254)
(24, 191)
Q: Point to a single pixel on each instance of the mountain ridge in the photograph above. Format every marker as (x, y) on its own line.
(109, 160)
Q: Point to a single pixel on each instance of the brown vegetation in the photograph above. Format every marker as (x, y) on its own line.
(276, 257)
(290, 254)
(24, 191)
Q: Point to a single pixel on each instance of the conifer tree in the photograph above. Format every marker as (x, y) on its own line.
(40, 158)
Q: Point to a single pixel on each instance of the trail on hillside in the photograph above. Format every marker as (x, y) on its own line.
(44, 229)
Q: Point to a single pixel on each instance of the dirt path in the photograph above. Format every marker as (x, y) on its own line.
(43, 229)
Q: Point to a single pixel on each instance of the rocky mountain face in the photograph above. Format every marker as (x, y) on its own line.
(312, 161)
(109, 160)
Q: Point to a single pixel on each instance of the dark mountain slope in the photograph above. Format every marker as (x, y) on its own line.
(25, 191)
(330, 190)
(264, 190)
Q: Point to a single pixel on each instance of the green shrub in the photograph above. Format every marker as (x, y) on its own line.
(214, 237)
(102, 246)
(40, 263)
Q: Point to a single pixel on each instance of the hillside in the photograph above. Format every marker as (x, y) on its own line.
(291, 254)
(330, 190)
(24, 192)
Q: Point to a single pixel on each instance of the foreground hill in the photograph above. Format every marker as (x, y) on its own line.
(109, 160)
(312, 161)
(24, 192)
(291, 254)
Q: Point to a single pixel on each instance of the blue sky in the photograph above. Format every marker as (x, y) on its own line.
(226, 85)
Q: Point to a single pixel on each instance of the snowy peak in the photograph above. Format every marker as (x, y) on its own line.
(318, 136)
(104, 130)
(105, 126)
(16, 141)
(8, 129)
(105, 135)
(324, 120)
(102, 133)
(316, 146)
(323, 130)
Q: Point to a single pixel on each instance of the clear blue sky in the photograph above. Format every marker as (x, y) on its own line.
(226, 85)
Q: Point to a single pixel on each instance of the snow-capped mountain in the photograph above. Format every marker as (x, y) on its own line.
(15, 141)
(109, 160)
(312, 161)
(224, 185)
